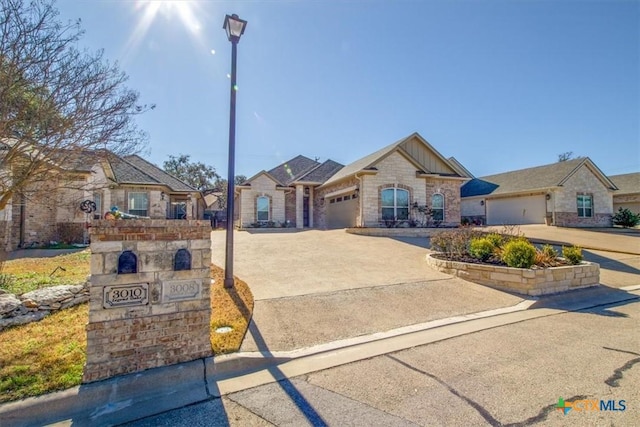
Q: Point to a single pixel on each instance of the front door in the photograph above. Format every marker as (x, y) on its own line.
(305, 211)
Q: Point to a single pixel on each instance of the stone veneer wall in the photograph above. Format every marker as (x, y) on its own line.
(156, 316)
(522, 280)
(566, 206)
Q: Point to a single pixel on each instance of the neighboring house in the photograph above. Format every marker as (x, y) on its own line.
(385, 188)
(628, 194)
(132, 184)
(573, 193)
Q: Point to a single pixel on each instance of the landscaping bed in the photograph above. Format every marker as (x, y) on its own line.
(528, 281)
(508, 261)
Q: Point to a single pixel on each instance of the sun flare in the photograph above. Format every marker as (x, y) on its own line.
(185, 12)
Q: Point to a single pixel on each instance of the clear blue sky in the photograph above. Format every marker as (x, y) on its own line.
(500, 85)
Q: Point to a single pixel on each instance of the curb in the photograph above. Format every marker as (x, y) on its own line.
(135, 396)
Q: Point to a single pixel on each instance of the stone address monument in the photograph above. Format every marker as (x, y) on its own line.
(150, 295)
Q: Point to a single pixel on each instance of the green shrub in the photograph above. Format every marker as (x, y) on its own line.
(573, 254)
(496, 239)
(481, 248)
(626, 218)
(519, 253)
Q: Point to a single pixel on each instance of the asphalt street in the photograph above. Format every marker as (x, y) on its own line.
(512, 375)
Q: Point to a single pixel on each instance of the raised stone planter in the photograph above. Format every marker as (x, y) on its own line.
(528, 281)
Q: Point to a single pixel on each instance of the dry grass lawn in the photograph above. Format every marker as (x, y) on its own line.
(49, 355)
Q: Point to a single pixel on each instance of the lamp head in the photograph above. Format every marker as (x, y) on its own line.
(234, 26)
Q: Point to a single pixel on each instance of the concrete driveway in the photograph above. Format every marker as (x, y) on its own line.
(314, 287)
(290, 264)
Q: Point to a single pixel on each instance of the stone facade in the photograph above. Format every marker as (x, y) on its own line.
(565, 207)
(450, 189)
(522, 280)
(262, 186)
(394, 170)
(156, 315)
(290, 208)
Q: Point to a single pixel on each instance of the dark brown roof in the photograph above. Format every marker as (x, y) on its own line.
(291, 170)
(322, 172)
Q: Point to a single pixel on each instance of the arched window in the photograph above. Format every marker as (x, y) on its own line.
(437, 207)
(262, 208)
(395, 204)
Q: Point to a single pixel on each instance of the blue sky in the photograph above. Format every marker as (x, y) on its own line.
(500, 85)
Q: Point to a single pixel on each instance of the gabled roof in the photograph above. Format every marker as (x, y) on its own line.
(265, 173)
(134, 169)
(367, 162)
(288, 172)
(460, 167)
(538, 178)
(322, 172)
(628, 183)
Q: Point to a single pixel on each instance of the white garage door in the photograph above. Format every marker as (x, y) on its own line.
(516, 210)
(341, 213)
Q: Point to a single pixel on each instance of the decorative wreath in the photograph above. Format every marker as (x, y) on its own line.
(88, 206)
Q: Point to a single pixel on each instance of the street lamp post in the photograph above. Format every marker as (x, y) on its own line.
(234, 27)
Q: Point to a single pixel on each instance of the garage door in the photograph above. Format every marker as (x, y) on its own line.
(516, 210)
(341, 213)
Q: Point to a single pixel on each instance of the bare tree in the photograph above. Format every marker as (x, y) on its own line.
(567, 155)
(58, 104)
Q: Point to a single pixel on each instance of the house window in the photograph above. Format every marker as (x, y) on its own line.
(97, 199)
(437, 207)
(395, 204)
(178, 209)
(262, 208)
(138, 203)
(585, 206)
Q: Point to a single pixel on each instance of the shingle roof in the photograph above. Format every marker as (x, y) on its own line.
(322, 172)
(536, 178)
(627, 183)
(135, 170)
(367, 161)
(291, 170)
(362, 163)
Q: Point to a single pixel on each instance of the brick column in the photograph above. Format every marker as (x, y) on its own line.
(157, 310)
(299, 202)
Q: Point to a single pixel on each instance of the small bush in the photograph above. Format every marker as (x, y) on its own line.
(626, 218)
(453, 243)
(573, 254)
(519, 253)
(496, 239)
(481, 248)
